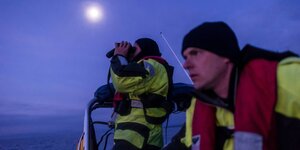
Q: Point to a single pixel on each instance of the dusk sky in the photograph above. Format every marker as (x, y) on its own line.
(52, 58)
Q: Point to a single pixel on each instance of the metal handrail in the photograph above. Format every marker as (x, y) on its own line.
(86, 126)
(89, 140)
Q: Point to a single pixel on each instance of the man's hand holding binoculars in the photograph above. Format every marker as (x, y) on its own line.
(122, 48)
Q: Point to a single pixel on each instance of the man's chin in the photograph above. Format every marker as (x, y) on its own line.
(198, 87)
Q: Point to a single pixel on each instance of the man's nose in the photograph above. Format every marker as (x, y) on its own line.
(186, 64)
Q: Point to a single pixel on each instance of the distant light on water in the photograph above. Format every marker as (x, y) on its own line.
(94, 12)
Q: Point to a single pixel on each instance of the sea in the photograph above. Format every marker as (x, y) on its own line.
(42, 141)
(68, 139)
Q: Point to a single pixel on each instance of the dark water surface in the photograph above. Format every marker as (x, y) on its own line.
(67, 138)
(49, 141)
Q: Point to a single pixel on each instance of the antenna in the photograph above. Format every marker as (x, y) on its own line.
(175, 56)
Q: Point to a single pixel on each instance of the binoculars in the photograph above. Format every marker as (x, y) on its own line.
(110, 53)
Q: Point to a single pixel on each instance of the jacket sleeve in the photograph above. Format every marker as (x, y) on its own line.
(126, 76)
(122, 68)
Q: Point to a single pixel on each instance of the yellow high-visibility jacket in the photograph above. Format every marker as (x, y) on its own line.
(145, 78)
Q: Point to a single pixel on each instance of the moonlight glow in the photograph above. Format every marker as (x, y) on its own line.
(94, 13)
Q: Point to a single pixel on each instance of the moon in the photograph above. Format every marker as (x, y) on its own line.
(94, 13)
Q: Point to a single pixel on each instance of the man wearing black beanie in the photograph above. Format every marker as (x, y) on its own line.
(142, 80)
(216, 37)
(243, 100)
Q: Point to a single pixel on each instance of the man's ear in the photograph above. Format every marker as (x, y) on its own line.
(226, 61)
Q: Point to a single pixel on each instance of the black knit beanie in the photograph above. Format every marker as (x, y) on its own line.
(216, 37)
(149, 47)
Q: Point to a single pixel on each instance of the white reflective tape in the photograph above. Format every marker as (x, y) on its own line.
(136, 104)
(123, 60)
(196, 142)
(149, 68)
(247, 141)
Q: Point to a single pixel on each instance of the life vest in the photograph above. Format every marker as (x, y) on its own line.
(200, 129)
(255, 116)
(257, 97)
(208, 127)
(154, 101)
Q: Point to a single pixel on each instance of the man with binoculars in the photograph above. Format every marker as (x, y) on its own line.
(142, 79)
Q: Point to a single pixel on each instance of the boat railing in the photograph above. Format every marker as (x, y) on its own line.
(103, 99)
(88, 140)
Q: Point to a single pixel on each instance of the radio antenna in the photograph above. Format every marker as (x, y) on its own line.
(175, 56)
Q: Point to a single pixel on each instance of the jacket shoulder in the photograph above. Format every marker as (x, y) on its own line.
(250, 52)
